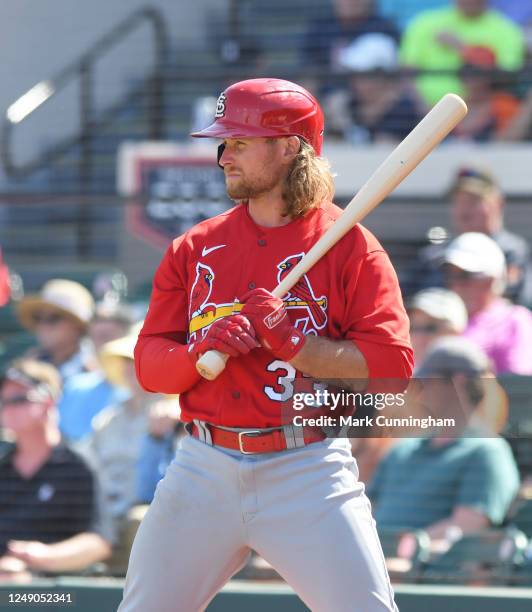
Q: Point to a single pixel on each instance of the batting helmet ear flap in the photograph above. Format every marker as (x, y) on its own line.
(221, 150)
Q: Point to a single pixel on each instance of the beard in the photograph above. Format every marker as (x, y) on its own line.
(247, 189)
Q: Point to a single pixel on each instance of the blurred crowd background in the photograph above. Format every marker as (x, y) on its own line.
(81, 230)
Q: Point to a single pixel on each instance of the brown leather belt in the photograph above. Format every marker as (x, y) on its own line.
(255, 441)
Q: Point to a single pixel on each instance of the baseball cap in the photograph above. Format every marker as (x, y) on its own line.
(442, 304)
(34, 374)
(476, 253)
(476, 180)
(369, 52)
(453, 355)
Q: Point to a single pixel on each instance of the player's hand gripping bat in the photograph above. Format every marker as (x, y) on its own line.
(428, 133)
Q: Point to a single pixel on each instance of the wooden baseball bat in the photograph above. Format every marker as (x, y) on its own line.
(428, 133)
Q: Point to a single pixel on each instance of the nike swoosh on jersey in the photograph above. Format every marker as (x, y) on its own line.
(207, 251)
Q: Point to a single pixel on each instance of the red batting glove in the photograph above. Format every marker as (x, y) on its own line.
(233, 335)
(269, 318)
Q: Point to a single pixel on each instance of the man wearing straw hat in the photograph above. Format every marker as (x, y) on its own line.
(59, 316)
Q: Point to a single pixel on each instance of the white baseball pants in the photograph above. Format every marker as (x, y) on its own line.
(302, 510)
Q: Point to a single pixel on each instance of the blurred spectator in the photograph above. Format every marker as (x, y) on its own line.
(445, 39)
(520, 127)
(113, 446)
(369, 452)
(434, 313)
(157, 448)
(326, 37)
(376, 108)
(59, 316)
(86, 394)
(491, 111)
(474, 268)
(5, 289)
(520, 12)
(49, 518)
(448, 485)
(403, 12)
(477, 205)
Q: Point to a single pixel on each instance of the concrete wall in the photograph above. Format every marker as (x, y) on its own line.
(40, 37)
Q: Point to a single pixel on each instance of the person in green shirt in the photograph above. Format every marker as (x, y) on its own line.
(448, 38)
(459, 483)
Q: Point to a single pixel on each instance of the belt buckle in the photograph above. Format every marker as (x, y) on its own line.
(247, 432)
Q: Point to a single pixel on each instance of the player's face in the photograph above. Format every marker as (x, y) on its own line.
(252, 166)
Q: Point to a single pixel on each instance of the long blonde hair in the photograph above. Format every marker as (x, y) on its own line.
(309, 182)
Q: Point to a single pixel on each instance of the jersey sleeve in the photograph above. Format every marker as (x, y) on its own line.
(375, 318)
(161, 353)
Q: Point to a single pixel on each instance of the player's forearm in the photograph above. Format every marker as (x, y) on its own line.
(164, 366)
(324, 358)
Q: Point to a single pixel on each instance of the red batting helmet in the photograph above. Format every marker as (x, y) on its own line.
(267, 108)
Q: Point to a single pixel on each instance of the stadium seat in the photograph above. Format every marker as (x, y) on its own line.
(486, 557)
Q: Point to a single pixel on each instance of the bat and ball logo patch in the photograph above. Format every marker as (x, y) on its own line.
(220, 106)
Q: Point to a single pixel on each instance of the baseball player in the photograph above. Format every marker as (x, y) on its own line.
(243, 480)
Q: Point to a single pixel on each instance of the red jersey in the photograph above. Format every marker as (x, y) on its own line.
(351, 293)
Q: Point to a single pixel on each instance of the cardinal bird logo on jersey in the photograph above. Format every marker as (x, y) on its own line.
(302, 296)
(201, 291)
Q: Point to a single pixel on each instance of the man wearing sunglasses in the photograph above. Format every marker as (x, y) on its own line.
(49, 516)
(59, 316)
(434, 313)
(474, 268)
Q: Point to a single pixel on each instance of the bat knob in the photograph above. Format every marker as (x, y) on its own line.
(211, 364)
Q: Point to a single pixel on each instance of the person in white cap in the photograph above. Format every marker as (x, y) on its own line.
(376, 107)
(474, 267)
(477, 204)
(434, 313)
(59, 316)
(51, 514)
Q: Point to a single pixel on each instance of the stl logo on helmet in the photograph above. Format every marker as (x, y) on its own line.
(220, 106)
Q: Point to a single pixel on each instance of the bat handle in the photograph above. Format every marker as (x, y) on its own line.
(211, 364)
